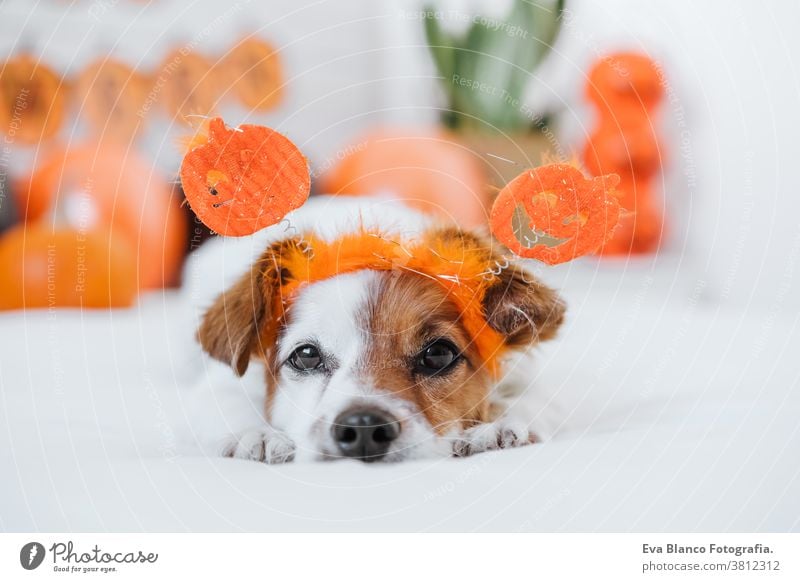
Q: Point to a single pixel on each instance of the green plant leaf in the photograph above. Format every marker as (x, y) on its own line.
(503, 56)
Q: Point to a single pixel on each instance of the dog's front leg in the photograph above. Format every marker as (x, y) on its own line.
(264, 444)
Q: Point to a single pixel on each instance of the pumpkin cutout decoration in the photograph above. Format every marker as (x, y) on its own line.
(554, 214)
(255, 73)
(110, 95)
(31, 100)
(240, 180)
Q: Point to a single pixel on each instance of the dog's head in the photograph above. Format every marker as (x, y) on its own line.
(376, 350)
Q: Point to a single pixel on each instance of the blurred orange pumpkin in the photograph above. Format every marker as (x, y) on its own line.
(42, 268)
(639, 231)
(253, 68)
(634, 149)
(31, 100)
(625, 85)
(634, 154)
(191, 87)
(96, 187)
(428, 170)
(110, 95)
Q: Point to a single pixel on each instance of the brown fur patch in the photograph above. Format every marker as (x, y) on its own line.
(522, 308)
(409, 312)
(231, 327)
(241, 323)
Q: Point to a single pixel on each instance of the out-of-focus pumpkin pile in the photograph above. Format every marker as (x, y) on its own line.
(94, 223)
(98, 225)
(115, 100)
(625, 89)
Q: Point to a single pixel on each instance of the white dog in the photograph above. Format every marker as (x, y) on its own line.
(380, 334)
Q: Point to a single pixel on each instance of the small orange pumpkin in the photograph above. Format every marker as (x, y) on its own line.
(240, 180)
(625, 85)
(641, 229)
(43, 268)
(190, 85)
(634, 154)
(110, 95)
(253, 68)
(634, 150)
(31, 100)
(554, 214)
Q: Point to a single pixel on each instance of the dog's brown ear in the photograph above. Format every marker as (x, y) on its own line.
(235, 326)
(523, 309)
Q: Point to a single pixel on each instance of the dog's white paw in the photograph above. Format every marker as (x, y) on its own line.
(264, 444)
(493, 436)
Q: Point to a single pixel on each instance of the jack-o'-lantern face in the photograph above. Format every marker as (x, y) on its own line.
(554, 214)
(240, 180)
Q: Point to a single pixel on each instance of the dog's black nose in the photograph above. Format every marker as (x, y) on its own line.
(365, 434)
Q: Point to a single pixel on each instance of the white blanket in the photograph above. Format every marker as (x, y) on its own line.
(671, 415)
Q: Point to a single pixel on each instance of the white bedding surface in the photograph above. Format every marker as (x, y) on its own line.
(672, 416)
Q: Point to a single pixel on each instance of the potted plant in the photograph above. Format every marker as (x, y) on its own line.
(485, 70)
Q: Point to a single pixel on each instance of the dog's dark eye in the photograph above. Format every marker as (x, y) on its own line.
(305, 358)
(437, 357)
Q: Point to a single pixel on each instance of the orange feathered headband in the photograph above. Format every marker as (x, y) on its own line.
(463, 271)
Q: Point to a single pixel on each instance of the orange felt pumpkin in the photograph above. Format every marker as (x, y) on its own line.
(44, 268)
(100, 186)
(110, 95)
(554, 214)
(31, 100)
(254, 70)
(241, 180)
(427, 170)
